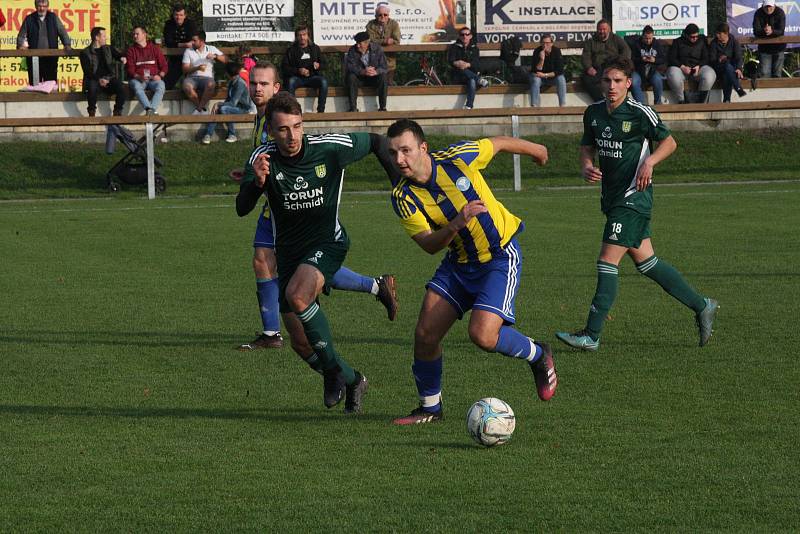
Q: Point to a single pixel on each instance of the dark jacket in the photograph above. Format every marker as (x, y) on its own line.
(55, 29)
(293, 60)
(778, 22)
(174, 34)
(732, 50)
(686, 52)
(98, 63)
(470, 54)
(377, 59)
(639, 51)
(597, 52)
(552, 63)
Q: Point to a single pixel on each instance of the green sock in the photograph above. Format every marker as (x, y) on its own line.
(672, 282)
(314, 362)
(318, 332)
(604, 295)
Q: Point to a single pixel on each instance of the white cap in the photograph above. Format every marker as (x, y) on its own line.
(769, 2)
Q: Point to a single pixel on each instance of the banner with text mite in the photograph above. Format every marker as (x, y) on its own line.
(571, 20)
(667, 17)
(78, 17)
(421, 21)
(740, 16)
(248, 20)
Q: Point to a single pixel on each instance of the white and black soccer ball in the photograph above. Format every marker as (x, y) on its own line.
(491, 422)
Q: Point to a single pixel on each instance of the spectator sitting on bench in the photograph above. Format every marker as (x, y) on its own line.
(237, 102)
(178, 31)
(198, 67)
(769, 22)
(547, 68)
(603, 47)
(97, 62)
(386, 32)
(650, 64)
(464, 58)
(146, 67)
(688, 59)
(302, 66)
(725, 56)
(365, 64)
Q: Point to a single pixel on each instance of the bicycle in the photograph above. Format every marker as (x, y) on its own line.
(429, 76)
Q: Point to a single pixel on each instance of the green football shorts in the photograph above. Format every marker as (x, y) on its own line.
(626, 227)
(327, 258)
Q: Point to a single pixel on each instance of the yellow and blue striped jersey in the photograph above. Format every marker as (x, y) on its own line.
(260, 133)
(456, 180)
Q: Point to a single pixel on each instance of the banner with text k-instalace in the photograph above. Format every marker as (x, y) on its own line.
(421, 21)
(571, 20)
(667, 17)
(248, 20)
(78, 18)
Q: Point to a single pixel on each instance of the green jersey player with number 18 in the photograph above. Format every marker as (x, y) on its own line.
(621, 132)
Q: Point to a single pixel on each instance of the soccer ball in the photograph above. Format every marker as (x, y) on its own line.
(491, 422)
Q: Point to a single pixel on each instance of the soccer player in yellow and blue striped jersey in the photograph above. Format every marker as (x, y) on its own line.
(443, 202)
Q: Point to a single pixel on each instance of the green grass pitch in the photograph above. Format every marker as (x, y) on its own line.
(123, 406)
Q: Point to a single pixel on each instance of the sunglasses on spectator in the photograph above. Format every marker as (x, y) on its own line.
(465, 33)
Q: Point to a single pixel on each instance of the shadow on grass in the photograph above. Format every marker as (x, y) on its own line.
(284, 415)
(55, 172)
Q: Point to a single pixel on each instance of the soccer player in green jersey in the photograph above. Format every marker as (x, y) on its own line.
(621, 132)
(301, 176)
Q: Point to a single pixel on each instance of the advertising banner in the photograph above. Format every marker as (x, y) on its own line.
(248, 20)
(78, 17)
(667, 17)
(740, 16)
(571, 20)
(421, 21)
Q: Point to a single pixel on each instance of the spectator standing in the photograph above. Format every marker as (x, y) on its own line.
(688, 59)
(464, 58)
(97, 62)
(146, 67)
(547, 68)
(769, 22)
(178, 32)
(725, 56)
(198, 67)
(248, 62)
(42, 29)
(650, 64)
(365, 64)
(303, 64)
(386, 32)
(603, 47)
(237, 102)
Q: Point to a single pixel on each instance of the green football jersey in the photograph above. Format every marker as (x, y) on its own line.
(623, 140)
(304, 192)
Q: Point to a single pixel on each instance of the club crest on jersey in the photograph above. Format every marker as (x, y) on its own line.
(321, 171)
(463, 184)
(264, 137)
(607, 132)
(626, 126)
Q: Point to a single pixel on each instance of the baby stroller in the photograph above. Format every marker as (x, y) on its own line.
(132, 168)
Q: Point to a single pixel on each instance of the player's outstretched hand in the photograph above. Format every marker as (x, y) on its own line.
(261, 168)
(644, 177)
(540, 154)
(470, 210)
(592, 174)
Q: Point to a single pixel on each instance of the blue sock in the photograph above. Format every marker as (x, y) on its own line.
(267, 291)
(347, 280)
(512, 343)
(428, 376)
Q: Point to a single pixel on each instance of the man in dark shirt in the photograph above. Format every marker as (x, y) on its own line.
(43, 29)
(97, 62)
(365, 64)
(769, 22)
(650, 65)
(178, 31)
(302, 66)
(547, 68)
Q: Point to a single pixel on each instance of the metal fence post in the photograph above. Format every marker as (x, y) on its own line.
(151, 166)
(517, 170)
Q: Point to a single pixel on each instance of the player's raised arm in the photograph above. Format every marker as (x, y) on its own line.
(645, 175)
(513, 145)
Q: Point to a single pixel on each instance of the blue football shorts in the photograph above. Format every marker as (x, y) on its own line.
(264, 237)
(490, 286)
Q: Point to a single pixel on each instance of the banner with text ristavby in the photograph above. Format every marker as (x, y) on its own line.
(740, 16)
(421, 21)
(571, 20)
(78, 17)
(248, 20)
(667, 17)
